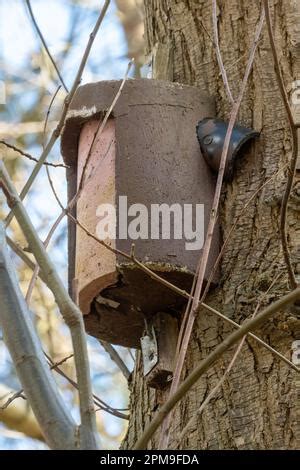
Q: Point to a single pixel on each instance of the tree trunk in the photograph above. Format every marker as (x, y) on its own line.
(256, 405)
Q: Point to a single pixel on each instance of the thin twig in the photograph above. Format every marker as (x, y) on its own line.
(293, 163)
(194, 376)
(30, 157)
(181, 292)
(227, 371)
(97, 400)
(57, 131)
(19, 394)
(40, 34)
(189, 317)
(83, 179)
(16, 395)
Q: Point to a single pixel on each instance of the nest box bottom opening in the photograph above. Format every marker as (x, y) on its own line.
(117, 314)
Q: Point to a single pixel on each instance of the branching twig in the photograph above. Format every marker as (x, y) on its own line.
(293, 163)
(157, 278)
(232, 228)
(182, 390)
(56, 366)
(16, 395)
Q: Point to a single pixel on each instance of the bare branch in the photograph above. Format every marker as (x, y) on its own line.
(181, 292)
(57, 131)
(16, 395)
(232, 228)
(98, 401)
(218, 52)
(83, 179)
(48, 113)
(56, 366)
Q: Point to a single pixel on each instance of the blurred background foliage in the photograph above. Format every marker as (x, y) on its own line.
(30, 82)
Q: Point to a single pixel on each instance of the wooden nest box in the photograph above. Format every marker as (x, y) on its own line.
(147, 154)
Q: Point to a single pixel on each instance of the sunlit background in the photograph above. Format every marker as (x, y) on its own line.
(30, 83)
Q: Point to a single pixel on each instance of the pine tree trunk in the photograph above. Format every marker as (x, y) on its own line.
(256, 406)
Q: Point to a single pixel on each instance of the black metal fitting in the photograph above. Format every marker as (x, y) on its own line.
(211, 136)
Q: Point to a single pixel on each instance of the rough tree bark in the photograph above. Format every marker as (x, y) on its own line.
(256, 406)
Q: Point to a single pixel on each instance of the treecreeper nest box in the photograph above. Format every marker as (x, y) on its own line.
(145, 183)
